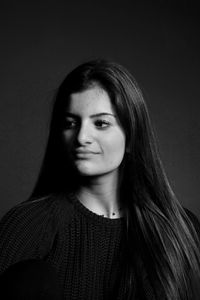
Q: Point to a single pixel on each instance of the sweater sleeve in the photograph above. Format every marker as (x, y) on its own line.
(27, 231)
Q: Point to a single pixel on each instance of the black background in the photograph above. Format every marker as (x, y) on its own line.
(158, 41)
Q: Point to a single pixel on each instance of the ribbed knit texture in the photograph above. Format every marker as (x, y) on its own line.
(84, 248)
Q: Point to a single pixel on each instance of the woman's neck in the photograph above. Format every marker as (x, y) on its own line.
(101, 195)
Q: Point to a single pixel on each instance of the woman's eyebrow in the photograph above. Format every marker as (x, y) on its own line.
(102, 114)
(69, 114)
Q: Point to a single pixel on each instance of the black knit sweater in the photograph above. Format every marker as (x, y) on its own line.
(85, 249)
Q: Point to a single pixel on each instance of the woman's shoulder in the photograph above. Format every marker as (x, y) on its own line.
(28, 229)
(35, 213)
(23, 212)
(40, 208)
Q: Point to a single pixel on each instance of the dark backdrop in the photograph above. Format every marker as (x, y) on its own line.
(158, 41)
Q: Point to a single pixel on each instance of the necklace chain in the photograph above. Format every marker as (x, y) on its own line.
(114, 213)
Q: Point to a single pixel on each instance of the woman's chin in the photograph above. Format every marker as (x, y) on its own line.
(84, 170)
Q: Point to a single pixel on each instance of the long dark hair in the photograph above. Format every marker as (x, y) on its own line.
(160, 237)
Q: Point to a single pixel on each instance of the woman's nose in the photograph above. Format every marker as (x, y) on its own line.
(84, 135)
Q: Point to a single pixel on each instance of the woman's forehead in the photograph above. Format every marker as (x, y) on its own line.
(91, 101)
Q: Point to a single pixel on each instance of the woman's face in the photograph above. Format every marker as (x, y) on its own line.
(94, 139)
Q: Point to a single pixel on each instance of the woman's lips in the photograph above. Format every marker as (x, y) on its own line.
(84, 153)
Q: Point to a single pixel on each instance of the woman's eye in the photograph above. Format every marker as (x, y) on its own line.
(69, 124)
(102, 124)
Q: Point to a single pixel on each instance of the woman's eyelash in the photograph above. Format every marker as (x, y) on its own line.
(70, 123)
(102, 123)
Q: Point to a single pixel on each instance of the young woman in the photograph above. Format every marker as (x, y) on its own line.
(102, 213)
